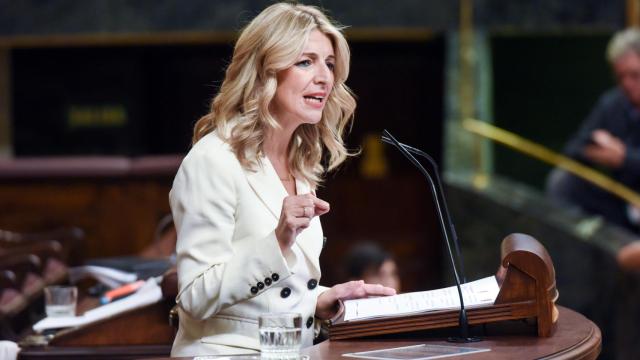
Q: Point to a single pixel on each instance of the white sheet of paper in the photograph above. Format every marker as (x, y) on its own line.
(113, 278)
(476, 293)
(417, 352)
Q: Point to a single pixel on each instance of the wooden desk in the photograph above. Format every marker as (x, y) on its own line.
(576, 337)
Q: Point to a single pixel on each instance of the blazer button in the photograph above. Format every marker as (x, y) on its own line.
(312, 284)
(260, 285)
(324, 241)
(309, 322)
(267, 281)
(285, 292)
(275, 277)
(254, 290)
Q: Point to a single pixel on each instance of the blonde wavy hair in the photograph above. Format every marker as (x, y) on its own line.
(272, 42)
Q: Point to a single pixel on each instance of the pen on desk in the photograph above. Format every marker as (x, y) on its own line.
(128, 289)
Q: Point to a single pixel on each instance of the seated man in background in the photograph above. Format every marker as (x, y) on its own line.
(369, 262)
(609, 139)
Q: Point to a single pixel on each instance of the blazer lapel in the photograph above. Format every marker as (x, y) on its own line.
(266, 184)
(310, 239)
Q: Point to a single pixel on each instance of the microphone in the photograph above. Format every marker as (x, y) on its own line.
(462, 320)
(440, 194)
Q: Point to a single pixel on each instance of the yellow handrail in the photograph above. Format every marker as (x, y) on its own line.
(542, 153)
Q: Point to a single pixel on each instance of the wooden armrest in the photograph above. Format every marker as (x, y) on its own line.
(70, 239)
(12, 301)
(43, 249)
(8, 280)
(21, 264)
(50, 254)
(27, 270)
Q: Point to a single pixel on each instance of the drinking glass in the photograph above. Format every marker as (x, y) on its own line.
(60, 300)
(280, 335)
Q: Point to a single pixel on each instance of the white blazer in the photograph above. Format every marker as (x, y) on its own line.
(230, 267)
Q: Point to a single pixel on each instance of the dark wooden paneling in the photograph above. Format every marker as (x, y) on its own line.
(396, 213)
(119, 215)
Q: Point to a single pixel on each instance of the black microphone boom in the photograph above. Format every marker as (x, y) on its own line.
(463, 321)
(440, 194)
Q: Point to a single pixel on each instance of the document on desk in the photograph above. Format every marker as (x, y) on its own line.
(475, 293)
(113, 278)
(417, 352)
(149, 293)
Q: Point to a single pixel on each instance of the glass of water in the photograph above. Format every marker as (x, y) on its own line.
(280, 335)
(60, 300)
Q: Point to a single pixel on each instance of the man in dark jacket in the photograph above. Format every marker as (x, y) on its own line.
(609, 139)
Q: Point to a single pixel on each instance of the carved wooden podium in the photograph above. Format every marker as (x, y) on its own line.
(528, 291)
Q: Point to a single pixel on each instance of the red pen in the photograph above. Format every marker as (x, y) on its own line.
(124, 290)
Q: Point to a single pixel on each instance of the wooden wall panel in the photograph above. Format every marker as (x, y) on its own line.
(397, 213)
(119, 215)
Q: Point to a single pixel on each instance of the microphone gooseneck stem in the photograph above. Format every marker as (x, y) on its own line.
(464, 324)
(434, 167)
(462, 320)
(432, 187)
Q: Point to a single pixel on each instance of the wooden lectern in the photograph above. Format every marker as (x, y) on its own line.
(528, 291)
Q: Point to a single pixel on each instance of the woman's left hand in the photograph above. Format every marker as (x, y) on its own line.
(328, 303)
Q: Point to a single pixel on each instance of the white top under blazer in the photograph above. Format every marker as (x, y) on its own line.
(230, 267)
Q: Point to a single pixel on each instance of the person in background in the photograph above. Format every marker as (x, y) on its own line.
(244, 201)
(370, 263)
(609, 139)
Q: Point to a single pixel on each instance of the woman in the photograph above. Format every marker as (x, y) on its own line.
(249, 235)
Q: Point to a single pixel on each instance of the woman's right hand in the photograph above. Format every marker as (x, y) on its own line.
(297, 212)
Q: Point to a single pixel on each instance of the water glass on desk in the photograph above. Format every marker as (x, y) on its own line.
(60, 300)
(280, 335)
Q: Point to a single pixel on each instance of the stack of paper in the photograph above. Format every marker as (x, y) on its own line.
(112, 278)
(475, 293)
